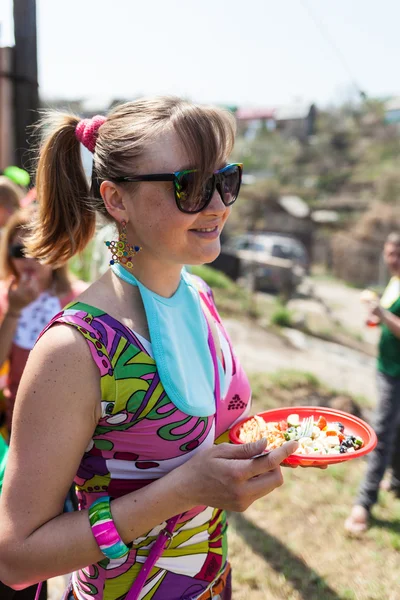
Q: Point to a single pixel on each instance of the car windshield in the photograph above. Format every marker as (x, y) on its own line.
(282, 251)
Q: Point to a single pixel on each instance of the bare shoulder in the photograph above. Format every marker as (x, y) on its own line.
(60, 366)
(120, 300)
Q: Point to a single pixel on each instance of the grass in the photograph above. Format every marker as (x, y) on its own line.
(290, 379)
(282, 316)
(291, 387)
(291, 543)
(213, 277)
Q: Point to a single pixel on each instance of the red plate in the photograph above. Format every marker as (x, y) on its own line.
(352, 426)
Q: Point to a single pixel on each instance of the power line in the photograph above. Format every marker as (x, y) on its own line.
(327, 37)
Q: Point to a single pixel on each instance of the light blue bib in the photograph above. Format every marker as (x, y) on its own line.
(179, 339)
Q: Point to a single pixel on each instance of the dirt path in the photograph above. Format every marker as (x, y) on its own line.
(346, 306)
(338, 367)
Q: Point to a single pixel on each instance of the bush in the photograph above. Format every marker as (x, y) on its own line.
(282, 316)
(212, 277)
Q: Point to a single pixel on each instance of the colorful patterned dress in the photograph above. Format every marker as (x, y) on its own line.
(140, 437)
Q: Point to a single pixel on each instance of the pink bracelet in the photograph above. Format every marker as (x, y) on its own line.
(104, 530)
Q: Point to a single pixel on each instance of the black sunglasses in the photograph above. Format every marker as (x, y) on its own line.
(227, 181)
(16, 251)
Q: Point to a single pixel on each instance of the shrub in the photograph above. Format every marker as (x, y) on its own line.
(282, 316)
(213, 277)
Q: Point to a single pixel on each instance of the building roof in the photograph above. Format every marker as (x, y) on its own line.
(252, 114)
(292, 111)
(295, 206)
(280, 113)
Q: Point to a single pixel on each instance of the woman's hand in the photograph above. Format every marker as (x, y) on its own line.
(225, 476)
(22, 293)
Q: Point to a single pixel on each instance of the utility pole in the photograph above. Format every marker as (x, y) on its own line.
(26, 93)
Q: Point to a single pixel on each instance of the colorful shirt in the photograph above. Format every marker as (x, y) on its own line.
(140, 437)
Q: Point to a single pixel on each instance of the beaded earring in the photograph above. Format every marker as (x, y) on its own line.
(121, 251)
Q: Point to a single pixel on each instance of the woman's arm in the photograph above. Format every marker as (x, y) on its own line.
(56, 412)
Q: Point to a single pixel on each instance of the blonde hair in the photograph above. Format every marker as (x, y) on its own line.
(67, 205)
(21, 223)
(10, 194)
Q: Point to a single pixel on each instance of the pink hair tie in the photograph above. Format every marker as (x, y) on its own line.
(86, 131)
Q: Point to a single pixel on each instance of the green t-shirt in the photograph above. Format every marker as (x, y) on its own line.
(389, 347)
(3, 459)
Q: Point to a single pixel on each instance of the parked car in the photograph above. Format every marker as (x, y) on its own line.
(265, 261)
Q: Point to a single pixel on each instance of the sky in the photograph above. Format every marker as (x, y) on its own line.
(236, 52)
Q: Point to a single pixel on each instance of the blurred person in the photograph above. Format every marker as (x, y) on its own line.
(386, 312)
(30, 295)
(128, 389)
(10, 196)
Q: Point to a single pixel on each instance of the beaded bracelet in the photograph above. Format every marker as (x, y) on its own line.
(104, 530)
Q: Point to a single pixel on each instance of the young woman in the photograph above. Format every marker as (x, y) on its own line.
(30, 295)
(129, 388)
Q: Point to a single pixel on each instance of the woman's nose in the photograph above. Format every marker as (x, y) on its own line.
(216, 204)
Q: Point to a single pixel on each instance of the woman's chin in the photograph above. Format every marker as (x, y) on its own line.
(206, 257)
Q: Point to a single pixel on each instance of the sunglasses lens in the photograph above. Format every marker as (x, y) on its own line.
(230, 178)
(193, 194)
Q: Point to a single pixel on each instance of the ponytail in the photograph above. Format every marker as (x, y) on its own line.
(66, 218)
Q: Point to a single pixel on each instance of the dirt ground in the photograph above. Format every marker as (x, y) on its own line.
(338, 367)
(343, 304)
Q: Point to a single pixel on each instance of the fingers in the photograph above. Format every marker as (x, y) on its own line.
(242, 451)
(273, 459)
(264, 484)
(33, 285)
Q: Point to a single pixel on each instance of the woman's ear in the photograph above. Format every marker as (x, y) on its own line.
(113, 200)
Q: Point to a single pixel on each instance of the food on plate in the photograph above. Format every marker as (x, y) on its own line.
(324, 438)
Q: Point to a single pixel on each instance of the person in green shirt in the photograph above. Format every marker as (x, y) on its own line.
(387, 418)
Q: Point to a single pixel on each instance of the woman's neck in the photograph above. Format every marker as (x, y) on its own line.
(161, 278)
